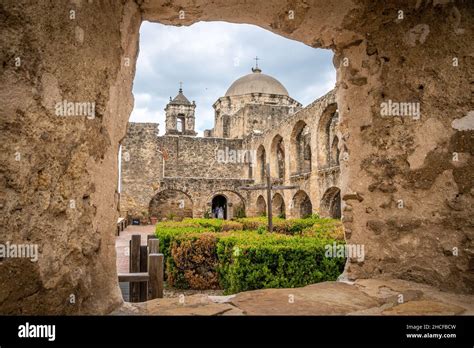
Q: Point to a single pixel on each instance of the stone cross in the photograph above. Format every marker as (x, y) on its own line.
(269, 187)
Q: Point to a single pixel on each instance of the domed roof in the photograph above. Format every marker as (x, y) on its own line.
(256, 82)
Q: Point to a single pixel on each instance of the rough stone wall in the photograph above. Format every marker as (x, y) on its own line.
(186, 158)
(141, 169)
(58, 178)
(429, 160)
(191, 157)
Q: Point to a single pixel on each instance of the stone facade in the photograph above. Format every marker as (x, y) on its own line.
(185, 173)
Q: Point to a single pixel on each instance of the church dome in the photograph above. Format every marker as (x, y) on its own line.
(256, 82)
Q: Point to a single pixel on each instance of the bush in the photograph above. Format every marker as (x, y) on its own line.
(212, 224)
(199, 257)
(273, 261)
(193, 262)
(232, 226)
(326, 229)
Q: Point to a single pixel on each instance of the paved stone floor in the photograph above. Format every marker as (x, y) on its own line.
(122, 246)
(363, 297)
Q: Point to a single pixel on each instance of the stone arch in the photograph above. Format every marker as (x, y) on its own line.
(326, 133)
(334, 160)
(235, 206)
(261, 206)
(302, 206)
(261, 163)
(300, 142)
(96, 157)
(331, 203)
(219, 202)
(278, 205)
(277, 157)
(171, 204)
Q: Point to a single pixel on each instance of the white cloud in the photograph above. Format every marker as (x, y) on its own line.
(203, 57)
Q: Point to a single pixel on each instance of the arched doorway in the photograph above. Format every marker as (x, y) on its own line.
(302, 205)
(278, 205)
(331, 203)
(219, 207)
(261, 206)
(171, 204)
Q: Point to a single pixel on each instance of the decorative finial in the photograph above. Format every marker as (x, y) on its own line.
(180, 87)
(256, 69)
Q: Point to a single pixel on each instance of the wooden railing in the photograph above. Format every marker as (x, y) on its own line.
(145, 269)
(122, 223)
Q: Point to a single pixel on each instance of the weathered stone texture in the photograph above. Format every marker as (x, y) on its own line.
(388, 159)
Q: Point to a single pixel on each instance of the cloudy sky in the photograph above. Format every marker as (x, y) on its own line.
(208, 56)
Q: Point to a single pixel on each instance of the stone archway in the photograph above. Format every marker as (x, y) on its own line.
(278, 205)
(261, 206)
(170, 205)
(383, 158)
(302, 206)
(235, 203)
(300, 143)
(326, 137)
(261, 163)
(331, 203)
(219, 207)
(277, 157)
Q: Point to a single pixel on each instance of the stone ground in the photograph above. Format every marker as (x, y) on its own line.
(362, 297)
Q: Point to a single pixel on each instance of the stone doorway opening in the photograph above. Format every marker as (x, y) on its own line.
(219, 207)
(331, 203)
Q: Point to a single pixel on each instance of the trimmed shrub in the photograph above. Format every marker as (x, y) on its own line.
(326, 228)
(248, 262)
(232, 226)
(193, 262)
(198, 257)
(211, 224)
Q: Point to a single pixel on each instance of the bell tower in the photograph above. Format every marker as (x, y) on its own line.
(180, 115)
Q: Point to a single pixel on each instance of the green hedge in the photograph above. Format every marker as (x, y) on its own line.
(213, 253)
(251, 261)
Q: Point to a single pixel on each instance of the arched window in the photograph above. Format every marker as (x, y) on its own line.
(301, 148)
(261, 206)
(277, 157)
(326, 137)
(180, 124)
(261, 163)
(335, 152)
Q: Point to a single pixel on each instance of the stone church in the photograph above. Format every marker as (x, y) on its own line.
(256, 122)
